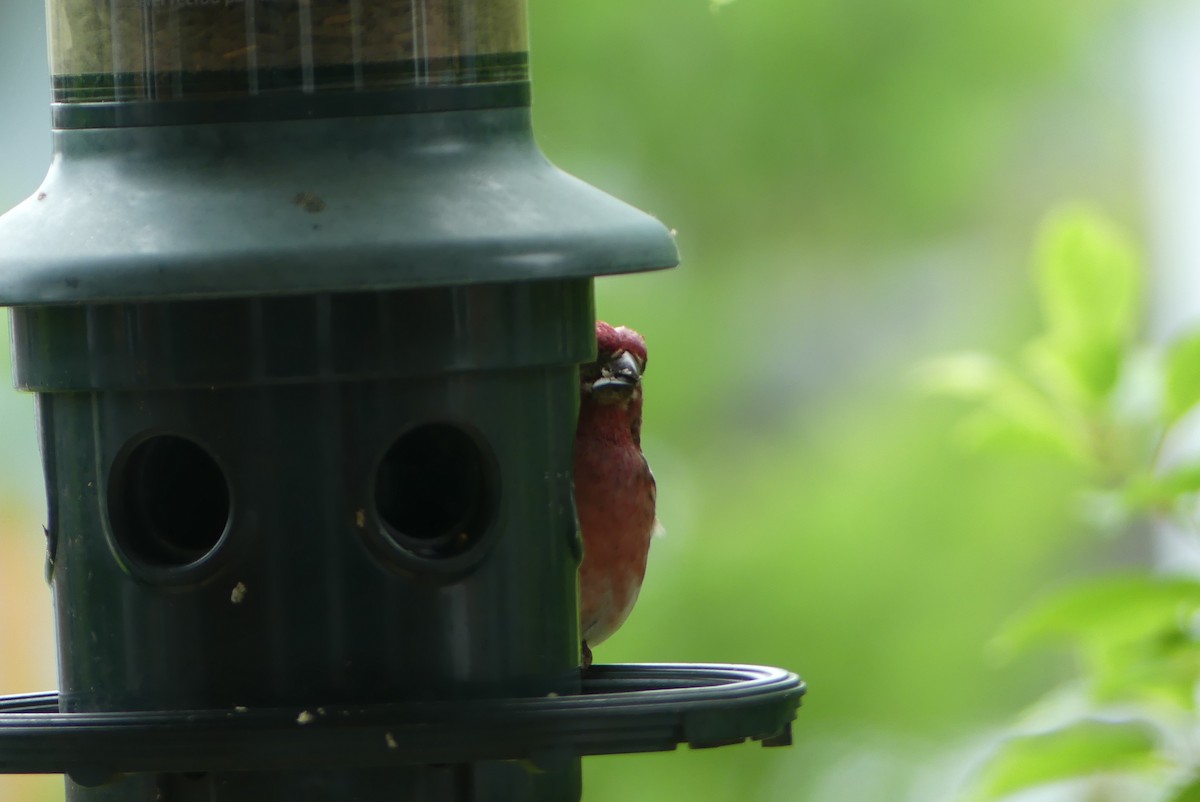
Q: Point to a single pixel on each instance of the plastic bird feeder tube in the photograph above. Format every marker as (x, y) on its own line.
(146, 50)
(138, 62)
(303, 307)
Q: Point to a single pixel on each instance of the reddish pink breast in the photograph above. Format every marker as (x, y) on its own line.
(615, 495)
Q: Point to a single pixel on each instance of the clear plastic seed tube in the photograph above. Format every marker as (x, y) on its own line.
(137, 50)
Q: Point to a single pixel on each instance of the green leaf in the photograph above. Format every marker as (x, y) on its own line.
(969, 374)
(1075, 376)
(1090, 284)
(1078, 750)
(1089, 277)
(1134, 634)
(1187, 793)
(1151, 492)
(1183, 377)
(1012, 414)
(1160, 669)
(1007, 428)
(1115, 610)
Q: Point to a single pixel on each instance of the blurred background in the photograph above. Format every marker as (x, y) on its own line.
(855, 187)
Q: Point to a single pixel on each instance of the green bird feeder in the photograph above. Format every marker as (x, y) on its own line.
(303, 308)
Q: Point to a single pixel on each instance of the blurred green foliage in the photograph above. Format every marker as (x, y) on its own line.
(852, 185)
(813, 157)
(1118, 408)
(822, 123)
(1080, 748)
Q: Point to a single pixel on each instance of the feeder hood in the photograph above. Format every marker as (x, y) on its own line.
(245, 147)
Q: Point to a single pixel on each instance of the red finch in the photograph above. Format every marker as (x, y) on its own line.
(614, 489)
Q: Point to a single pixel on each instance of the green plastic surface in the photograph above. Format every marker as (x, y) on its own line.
(312, 206)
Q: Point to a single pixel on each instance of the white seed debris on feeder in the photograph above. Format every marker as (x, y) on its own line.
(320, 711)
(552, 695)
(238, 593)
(240, 708)
(305, 717)
(391, 740)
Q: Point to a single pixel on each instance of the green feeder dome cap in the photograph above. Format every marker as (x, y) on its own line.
(274, 207)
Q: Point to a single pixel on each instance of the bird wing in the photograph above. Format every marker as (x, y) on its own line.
(657, 530)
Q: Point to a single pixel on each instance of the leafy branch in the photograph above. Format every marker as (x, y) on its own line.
(1091, 390)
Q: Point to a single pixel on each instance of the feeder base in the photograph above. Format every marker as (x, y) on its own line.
(440, 744)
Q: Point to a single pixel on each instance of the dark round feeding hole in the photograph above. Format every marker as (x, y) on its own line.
(433, 490)
(168, 501)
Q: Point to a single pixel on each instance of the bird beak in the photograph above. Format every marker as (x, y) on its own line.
(620, 372)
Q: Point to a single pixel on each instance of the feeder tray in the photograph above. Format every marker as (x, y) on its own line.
(621, 709)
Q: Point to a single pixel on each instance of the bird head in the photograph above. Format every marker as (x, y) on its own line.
(616, 375)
